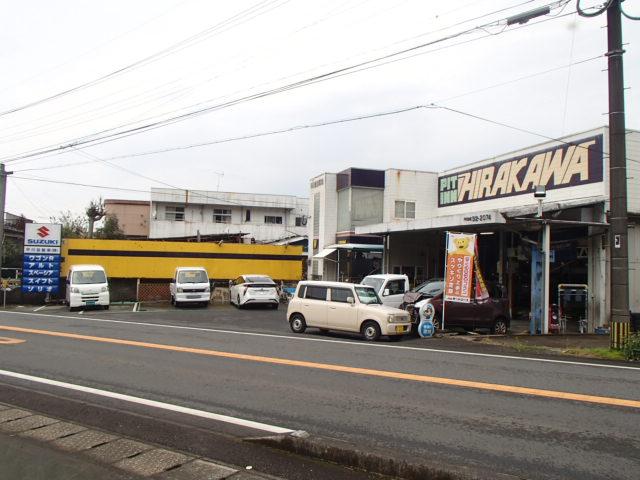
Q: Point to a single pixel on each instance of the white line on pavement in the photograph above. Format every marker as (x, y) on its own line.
(39, 308)
(344, 342)
(150, 403)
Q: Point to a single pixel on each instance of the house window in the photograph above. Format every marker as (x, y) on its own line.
(300, 222)
(247, 215)
(405, 209)
(221, 215)
(175, 214)
(273, 219)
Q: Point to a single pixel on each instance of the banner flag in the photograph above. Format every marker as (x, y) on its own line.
(482, 293)
(459, 265)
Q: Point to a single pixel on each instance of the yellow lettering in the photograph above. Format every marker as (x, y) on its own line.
(486, 179)
(502, 178)
(466, 182)
(533, 172)
(556, 166)
(516, 166)
(579, 163)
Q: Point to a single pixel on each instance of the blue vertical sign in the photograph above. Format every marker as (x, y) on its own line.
(41, 260)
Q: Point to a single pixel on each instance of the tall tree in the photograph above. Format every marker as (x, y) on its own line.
(95, 211)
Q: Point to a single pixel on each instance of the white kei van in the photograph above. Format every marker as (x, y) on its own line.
(87, 285)
(346, 307)
(190, 285)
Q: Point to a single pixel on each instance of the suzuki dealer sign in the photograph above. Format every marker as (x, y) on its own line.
(42, 238)
(41, 260)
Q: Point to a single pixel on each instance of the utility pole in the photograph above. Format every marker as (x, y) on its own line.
(3, 197)
(618, 233)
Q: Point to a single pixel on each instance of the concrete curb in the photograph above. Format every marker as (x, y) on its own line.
(380, 462)
(140, 459)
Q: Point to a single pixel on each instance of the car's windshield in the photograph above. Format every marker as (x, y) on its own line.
(430, 288)
(376, 283)
(84, 277)
(258, 279)
(192, 276)
(368, 296)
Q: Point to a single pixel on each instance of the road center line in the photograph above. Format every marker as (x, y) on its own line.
(343, 369)
(342, 342)
(150, 403)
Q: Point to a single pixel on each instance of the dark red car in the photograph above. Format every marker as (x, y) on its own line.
(491, 314)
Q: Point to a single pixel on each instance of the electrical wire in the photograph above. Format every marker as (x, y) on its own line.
(181, 45)
(172, 95)
(95, 139)
(599, 11)
(307, 126)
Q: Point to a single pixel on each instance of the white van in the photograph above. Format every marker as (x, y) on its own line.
(190, 285)
(389, 287)
(87, 285)
(346, 307)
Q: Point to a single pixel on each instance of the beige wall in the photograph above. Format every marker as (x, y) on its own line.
(133, 218)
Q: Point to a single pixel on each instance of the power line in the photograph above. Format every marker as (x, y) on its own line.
(95, 139)
(313, 125)
(98, 47)
(181, 45)
(176, 94)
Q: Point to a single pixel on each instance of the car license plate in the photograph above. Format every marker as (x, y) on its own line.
(399, 329)
(90, 302)
(193, 296)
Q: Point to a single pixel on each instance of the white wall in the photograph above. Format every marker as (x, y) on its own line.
(199, 213)
(412, 186)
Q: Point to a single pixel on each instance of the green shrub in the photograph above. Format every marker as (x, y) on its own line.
(631, 347)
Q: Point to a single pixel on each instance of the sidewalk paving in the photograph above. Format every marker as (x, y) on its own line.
(37, 447)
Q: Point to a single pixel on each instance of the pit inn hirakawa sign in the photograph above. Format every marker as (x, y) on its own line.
(566, 165)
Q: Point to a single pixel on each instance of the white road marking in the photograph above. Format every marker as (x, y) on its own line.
(39, 308)
(343, 342)
(151, 403)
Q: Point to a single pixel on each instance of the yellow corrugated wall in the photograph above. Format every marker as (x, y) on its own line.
(154, 259)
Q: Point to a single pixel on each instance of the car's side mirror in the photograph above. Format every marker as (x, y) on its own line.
(351, 300)
(385, 293)
(231, 283)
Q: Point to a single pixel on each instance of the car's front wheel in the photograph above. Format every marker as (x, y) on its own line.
(499, 326)
(297, 323)
(370, 331)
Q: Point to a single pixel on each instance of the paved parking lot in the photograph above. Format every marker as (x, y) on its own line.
(256, 319)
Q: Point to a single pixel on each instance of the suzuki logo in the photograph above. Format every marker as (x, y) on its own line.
(43, 232)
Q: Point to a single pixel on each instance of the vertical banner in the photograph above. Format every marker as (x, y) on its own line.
(482, 293)
(459, 267)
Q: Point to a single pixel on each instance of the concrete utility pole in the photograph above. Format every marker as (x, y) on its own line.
(3, 197)
(617, 170)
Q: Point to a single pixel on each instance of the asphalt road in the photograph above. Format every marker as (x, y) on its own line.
(400, 397)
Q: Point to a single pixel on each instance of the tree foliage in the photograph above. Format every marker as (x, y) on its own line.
(73, 226)
(110, 229)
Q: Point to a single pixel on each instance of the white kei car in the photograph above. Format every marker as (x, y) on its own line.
(254, 289)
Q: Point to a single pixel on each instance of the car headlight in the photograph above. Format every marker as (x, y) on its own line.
(179, 289)
(104, 289)
(393, 318)
(75, 290)
(207, 289)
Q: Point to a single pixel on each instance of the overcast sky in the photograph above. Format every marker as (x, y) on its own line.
(75, 71)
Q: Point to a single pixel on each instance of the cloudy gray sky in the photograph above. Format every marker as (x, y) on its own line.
(78, 77)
